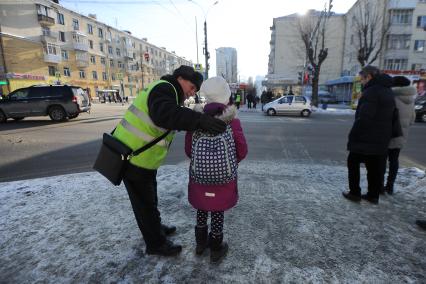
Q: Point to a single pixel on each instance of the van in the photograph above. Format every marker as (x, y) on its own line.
(59, 102)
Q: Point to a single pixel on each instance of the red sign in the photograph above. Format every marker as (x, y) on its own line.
(146, 56)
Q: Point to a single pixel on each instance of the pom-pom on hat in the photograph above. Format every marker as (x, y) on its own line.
(216, 90)
(188, 73)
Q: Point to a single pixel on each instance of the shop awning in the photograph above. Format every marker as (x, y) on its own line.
(341, 80)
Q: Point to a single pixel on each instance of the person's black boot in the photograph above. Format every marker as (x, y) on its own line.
(168, 230)
(218, 248)
(389, 188)
(168, 248)
(421, 224)
(201, 239)
(351, 196)
(374, 200)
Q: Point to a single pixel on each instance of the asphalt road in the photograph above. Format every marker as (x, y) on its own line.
(38, 147)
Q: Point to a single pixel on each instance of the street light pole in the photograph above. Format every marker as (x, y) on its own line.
(206, 52)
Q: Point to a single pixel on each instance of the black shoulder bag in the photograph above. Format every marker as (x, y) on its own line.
(114, 156)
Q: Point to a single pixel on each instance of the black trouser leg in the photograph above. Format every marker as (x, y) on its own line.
(141, 186)
(216, 226)
(375, 173)
(353, 163)
(393, 156)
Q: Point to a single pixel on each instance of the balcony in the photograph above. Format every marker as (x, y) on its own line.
(49, 37)
(82, 46)
(45, 20)
(52, 58)
(82, 63)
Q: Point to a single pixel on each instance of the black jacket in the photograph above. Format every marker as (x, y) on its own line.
(165, 112)
(372, 129)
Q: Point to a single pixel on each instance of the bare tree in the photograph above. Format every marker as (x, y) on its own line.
(369, 30)
(312, 28)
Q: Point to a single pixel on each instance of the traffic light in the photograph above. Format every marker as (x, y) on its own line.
(300, 77)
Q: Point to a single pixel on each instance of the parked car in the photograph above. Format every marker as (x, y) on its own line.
(57, 101)
(420, 108)
(296, 105)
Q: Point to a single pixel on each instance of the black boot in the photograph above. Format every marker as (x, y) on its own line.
(201, 239)
(168, 230)
(218, 248)
(421, 224)
(389, 188)
(168, 248)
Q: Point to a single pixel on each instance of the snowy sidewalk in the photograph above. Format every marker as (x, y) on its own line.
(291, 225)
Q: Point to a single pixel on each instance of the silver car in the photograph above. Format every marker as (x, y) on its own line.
(291, 105)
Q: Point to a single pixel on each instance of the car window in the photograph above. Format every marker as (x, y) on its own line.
(39, 92)
(299, 99)
(283, 100)
(20, 94)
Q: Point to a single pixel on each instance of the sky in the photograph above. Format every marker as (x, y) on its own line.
(241, 24)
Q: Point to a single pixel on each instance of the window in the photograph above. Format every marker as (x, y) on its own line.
(45, 31)
(90, 29)
(91, 44)
(103, 61)
(113, 77)
(75, 24)
(67, 72)
(50, 49)
(64, 54)
(421, 21)
(118, 51)
(62, 36)
(61, 19)
(396, 64)
(120, 65)
(42, 10)
(111, 63)
(101, 47)
(93, 59)
(401, 17)
(419, 45)
(104, 76)
(110, 49)
(52, 70)
(21, 94)
(100, 33)
(94, 75)
(416, 67)
(82, 74)
(134, 55)
(399, 42)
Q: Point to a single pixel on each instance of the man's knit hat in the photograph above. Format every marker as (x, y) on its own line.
(216, 90)
(188, 73)
(400, 81)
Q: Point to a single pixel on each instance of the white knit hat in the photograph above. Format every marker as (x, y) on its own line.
(216, 90)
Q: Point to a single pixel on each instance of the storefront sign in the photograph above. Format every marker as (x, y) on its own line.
(25, 76)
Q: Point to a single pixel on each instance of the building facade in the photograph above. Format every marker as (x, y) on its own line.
(226, 64)
(44, 43)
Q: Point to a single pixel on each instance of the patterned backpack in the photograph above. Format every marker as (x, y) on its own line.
(213, 158)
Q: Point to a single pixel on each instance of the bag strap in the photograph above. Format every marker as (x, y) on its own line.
(150, 144)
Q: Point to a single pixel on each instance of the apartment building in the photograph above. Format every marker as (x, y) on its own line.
(44, 43)
(288, 54)
(226, 64)
(403, 26)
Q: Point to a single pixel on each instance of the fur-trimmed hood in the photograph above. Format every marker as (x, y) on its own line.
(405, 94)
(223, 112)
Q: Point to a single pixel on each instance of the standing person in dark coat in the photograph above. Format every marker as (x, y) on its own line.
(155, 110)
(370, 134)
(404, 99)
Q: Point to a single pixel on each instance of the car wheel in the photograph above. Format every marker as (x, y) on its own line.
(305, 113)
(57, 113)
(18, 118)
(271, 111)
(3, 117)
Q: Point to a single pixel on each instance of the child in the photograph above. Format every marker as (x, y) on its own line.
(213, 170)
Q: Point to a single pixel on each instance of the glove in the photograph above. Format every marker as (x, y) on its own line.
(211, 124)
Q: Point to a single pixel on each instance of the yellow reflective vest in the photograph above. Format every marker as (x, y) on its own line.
(137, 129)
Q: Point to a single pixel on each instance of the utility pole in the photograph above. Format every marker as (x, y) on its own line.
(206, 52)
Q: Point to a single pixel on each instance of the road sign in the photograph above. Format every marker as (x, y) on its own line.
(58, 74)
(120, 76)
(198, 67)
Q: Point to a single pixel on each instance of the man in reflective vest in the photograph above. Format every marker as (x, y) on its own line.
(155, 110)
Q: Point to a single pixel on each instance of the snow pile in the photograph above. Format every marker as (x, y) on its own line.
(291, 225)
(331, 110)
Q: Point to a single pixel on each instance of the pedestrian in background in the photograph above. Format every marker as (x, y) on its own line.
(370, 134)
(213, 169)
(238, 99)
(404, 100)
(155, 110)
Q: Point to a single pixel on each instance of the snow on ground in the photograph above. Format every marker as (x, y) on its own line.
(291, 225)
(333, 110)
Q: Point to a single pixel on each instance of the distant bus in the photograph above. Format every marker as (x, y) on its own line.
(356, 91)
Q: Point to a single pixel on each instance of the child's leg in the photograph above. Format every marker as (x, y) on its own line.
(218, 248)
(217, 218)
(201, 231)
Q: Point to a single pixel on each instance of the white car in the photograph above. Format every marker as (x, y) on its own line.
(296, 105)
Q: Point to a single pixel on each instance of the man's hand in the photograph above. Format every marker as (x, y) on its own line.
(211, 124)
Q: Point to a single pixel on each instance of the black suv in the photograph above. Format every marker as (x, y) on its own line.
(57, 101)
(420, 108)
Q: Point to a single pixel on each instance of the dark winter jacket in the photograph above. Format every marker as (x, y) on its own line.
(404, 99)
(372, 128)
(165, 112)
(226, 195)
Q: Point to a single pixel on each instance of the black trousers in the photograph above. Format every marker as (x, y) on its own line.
(141, 185)
(375, 165)
(393, 157)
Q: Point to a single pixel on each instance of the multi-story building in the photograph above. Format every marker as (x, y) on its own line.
(288, 54)
(45, 43)
(226, 64)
